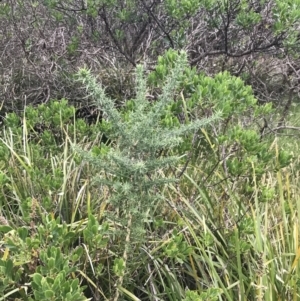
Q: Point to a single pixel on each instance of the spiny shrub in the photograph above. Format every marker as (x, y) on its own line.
(131, 168)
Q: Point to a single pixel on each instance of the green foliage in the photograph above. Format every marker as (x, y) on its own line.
(177, 248)
(55, 285)
(95, 234)
(73, 45)
(236, 143)
(54, 278)
(169, 210)
(182, 8)
(133, 162)
(42, 133)
(211, 294)
(119, 267)
(56, 289)
(48, 125)
(139, 137)
(246, 19)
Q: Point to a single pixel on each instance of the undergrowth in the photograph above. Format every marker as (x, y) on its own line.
(189, 200)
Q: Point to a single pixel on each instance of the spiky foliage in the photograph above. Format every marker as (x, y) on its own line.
(131, 168)
(133, 162)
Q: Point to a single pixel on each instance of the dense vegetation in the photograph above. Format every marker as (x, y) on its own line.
(149, 151)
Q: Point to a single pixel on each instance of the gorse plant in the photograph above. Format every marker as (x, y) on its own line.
(132, 166)
(133, 162)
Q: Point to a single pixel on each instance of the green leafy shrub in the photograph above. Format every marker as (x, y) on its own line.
(37, 141)
(235, 145)
(40, 264)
